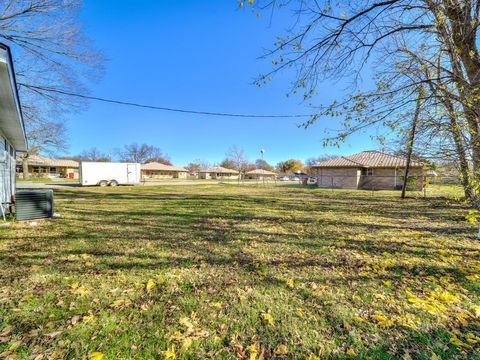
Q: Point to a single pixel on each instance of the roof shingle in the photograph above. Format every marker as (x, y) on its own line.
(368, 159)
(219, 170)
(37, 160)
(260, 172)
(161, 167)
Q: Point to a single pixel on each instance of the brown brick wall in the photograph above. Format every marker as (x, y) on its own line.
(385, 179)
(351, 178)
(344, 178)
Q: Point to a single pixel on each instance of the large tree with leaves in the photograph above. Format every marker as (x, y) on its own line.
(51, 54)
(406, 45)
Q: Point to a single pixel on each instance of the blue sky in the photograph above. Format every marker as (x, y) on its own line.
(199, 55)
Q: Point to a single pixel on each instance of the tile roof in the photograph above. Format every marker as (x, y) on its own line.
(370, 159)
(37, 160)
(219, 170)
(161, 167)
(260, 172)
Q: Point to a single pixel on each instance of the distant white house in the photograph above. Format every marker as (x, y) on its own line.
(260, 174)
(12, 130)
(218, 172)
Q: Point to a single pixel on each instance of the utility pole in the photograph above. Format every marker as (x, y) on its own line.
(411, 139)
(262, 151)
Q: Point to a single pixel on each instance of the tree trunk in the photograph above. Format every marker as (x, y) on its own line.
(465, 61)
(411, 140)
(459, 37)
(26, 174)
(459, 147)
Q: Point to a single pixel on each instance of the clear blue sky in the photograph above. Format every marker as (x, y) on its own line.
(198, 55)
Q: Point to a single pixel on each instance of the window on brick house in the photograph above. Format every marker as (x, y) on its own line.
(367, 172)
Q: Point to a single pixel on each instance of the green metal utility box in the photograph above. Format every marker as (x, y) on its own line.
(33, 204)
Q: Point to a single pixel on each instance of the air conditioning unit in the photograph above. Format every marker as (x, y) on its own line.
(33, 204)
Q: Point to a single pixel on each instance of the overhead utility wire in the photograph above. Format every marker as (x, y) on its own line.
(168, 108)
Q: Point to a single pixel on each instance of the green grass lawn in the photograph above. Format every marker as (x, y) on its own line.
(227, 271)
(47, 180)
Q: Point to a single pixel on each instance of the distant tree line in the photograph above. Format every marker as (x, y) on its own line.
(235, 159)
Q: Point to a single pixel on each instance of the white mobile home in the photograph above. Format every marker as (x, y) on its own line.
(109, 173)
(12, 130)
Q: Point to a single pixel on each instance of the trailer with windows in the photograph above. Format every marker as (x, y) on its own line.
(109, 173)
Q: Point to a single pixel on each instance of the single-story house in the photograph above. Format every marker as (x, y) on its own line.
(372, 169)
(260, 174)
(156, 170)
(40, 166)
(12, 129)
(218, 172)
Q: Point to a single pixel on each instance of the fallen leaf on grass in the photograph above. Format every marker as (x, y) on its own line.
(359, 319)
(169, 353)
(14, 346)
(217, 339)
(281, 350)
(472, 339)
(96, 355)
(268, 319)
(383, 320)
(87, 318)
(290, 284)
(150, 284)
(253, 350)
(186, 343)
(120, 303)
(217, 304)
(454, 340)
(351, 352)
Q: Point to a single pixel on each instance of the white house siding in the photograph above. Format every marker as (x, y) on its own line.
(209, 175)
(345, 178)
(204, 175)
(160, 174)
(7, 171)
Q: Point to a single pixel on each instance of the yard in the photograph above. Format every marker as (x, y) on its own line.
(228, 271)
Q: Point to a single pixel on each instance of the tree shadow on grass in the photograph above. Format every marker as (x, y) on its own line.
(125, 232)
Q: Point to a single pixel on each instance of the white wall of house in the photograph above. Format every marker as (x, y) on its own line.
(204, 175)
(7, 170)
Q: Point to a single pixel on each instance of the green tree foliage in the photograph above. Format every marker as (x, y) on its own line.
(290, 165)
(405, 45)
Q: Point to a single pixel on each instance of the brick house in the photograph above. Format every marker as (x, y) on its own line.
(260, 174)
(156, 170)
(218, 172)
(371, 170)
(43, 167)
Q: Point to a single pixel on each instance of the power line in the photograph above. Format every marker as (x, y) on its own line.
(197, 112)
